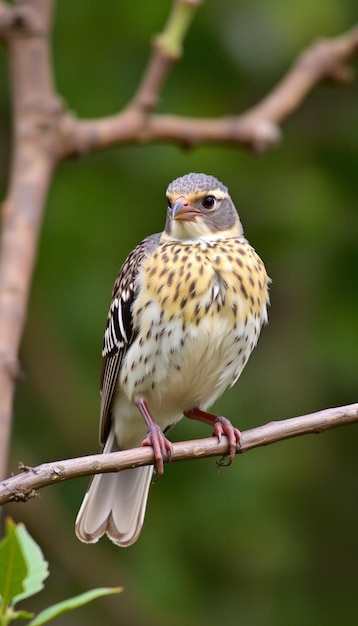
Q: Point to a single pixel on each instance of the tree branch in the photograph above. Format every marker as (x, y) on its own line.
(256, 129)
(35, 109)
(166, 51)
(22, 487)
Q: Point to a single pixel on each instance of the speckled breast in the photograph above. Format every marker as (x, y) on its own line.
(193, 281)
(199, 311)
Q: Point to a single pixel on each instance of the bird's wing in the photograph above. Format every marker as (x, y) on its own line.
(119, 332)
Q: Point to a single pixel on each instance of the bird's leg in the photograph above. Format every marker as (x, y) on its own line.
(221, 426)
(162, 448)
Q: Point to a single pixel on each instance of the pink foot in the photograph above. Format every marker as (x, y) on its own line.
(222, 426)
(162, 447)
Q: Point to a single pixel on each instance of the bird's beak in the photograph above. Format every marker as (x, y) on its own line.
(183, 210)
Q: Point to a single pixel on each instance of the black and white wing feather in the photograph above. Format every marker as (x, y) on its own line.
(119, 332)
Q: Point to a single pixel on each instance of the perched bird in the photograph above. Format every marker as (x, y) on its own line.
(186, 312)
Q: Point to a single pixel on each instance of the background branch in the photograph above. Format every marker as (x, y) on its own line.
(166, 51)
(256, 129)
(23, 486)
(35, 108)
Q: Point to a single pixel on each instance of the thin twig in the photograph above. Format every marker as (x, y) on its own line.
(22, 487)
(166, 51)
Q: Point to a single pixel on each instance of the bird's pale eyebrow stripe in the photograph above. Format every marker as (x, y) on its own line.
(219, 194)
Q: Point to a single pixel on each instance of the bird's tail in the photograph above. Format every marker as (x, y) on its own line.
(114, 504)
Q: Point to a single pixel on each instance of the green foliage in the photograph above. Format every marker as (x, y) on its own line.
(73, 603)
(13, 573)
(22, 572)
(36, 567)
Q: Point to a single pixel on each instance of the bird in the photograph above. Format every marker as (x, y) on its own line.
(187, 309)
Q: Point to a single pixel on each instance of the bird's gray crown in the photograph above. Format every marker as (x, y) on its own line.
(191, 183)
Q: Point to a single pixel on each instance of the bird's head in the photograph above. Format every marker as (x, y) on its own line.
(199, 209)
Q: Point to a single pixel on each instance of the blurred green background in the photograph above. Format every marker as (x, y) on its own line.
(271, 540)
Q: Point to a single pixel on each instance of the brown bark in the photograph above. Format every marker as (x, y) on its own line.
(23, 486)
(34, 155)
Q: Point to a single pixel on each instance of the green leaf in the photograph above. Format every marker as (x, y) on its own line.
(12, 615)
(13, 567)
(72, 603)
(37, 567)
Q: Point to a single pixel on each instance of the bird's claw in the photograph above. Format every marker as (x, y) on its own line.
(223, 426)
(162, 447)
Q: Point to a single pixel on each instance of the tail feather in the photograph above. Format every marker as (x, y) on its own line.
(114, 504)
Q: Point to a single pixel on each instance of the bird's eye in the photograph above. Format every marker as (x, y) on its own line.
(169, 203)
(208, 202)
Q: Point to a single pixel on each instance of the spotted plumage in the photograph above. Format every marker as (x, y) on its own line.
(186, 312)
